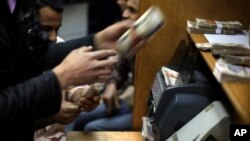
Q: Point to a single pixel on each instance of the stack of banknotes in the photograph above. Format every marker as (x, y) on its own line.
(205, 26)
(224, 71)
(238, 54)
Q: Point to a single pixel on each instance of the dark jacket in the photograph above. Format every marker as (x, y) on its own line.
(29, 90)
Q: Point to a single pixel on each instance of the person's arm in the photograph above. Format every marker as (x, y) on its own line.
(105, 39)
(56, 52)
(35, 98)
(110, 97)
(67, 114)
(114, 83)
(120, 73)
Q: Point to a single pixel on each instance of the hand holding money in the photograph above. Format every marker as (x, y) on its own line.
(148, 24)
(86, 91)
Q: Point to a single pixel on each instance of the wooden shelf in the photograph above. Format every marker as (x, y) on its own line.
(237, 92)
(104, 136)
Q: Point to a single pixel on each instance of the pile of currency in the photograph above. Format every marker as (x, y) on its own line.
(234, 61)
(237, 60)
(205, 26)
(230, 49)
(237, 54)
(224, 71)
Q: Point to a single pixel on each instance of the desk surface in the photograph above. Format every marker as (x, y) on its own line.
(104, 136)
(238, 92)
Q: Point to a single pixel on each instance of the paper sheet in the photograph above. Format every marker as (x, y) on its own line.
(221, 38)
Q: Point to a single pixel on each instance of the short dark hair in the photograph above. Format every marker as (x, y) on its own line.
(56, 5)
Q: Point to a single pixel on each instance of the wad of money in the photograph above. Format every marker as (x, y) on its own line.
(148, 24)
(220, 25)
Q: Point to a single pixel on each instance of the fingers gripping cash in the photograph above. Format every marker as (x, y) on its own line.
(74, 71)
(86, 91)
(86, 97)
(147, 25)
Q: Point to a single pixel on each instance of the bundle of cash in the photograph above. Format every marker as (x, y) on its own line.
(229, 72)
(171, 77)
(222, 25)
(86, 91)
(147, 130)
(230, 49)
(237, 60)
(225, 48)
(148, 24)
(192, 27)
(204, 46)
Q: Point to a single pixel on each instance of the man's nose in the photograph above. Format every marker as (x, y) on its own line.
(53, 36)
(126, 14)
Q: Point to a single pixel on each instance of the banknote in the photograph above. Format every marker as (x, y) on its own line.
(148, 24)
(215, 24)
(193, 28)
(237, 60)
(86, 91)
(228, 72)
(230, 49)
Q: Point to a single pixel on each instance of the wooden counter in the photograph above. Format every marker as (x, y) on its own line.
(237, 92)
(104, 136)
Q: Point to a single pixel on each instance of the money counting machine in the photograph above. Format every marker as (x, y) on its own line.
(171, 107)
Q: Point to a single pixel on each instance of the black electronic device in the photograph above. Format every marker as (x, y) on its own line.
(171, 107)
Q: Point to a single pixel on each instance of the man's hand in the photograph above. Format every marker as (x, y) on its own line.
(67, 113)
(70, 111)
(89, 104)
(110, 97)
(107, 38)
(84, 66)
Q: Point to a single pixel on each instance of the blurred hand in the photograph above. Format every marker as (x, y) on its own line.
(110, 97)
(67, 113)
(84, 66)
(132, 52)
(89, 104)
(70, 111)
(107, 38)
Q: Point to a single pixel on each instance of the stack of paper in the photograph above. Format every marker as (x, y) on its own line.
(237, 60)
(202, 26)
(234, 49)
(228, 72)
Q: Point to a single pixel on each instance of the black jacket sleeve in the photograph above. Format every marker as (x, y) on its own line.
(55, 53)
(35, 98)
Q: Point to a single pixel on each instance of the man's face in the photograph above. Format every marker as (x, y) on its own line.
(131, 11)
(50, 21)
